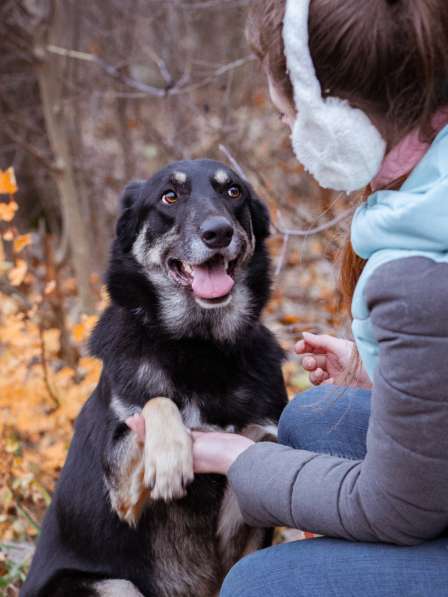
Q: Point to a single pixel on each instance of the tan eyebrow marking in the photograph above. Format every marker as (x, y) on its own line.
(180, 177)
(221, 177)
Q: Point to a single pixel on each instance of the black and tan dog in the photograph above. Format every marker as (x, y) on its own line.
(182, 343)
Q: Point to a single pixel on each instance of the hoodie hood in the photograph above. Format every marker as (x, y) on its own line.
(415, 218)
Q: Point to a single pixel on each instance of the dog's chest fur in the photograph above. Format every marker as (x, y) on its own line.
(193, 541)
(182, 547)
(210, 386)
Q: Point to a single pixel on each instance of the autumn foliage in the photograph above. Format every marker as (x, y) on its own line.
(40, 396)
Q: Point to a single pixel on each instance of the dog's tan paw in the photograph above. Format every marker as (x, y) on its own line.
(168, 461)
(169, 469)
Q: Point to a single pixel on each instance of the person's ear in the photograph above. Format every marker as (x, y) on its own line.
(127, 225)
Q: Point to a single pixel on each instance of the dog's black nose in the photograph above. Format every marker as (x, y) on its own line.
(216, 232)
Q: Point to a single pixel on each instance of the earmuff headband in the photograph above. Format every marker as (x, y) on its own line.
(336, 143)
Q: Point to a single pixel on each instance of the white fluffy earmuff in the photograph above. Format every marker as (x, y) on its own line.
(336, 143)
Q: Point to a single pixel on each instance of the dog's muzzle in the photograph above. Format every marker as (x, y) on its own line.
(213, 257)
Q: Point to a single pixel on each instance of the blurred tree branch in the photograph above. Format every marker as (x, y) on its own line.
(172, 88)
(280, 227)
(34, 151)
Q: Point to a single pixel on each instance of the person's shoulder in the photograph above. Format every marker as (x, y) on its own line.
(410, 293)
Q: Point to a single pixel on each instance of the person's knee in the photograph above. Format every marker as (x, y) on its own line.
(327, 419)
(301, 414)
(238, 580)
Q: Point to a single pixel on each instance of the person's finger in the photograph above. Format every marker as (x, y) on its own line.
(322, 343)
(137, 424)
(312, 362)
(302, 347)
(329, 382)
(318, 376)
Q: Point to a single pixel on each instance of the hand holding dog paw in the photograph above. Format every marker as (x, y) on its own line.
(328, 360)
(215, 452)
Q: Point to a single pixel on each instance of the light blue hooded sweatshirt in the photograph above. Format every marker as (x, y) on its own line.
(397, 224)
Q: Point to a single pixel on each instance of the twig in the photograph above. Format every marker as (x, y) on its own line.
(303, 233)
(44, 364)
(72, 53)
(170, 89)
(27, 515)
(29, 148)
(163, 142)
(282, 256)
(233, 161)
(206, 4)
(287, 232)
(283, 252)
(108, 68)
(163, 69)
(22, 509)
(219, 72)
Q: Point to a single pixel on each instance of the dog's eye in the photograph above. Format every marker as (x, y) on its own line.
(169, 198)
(234, 192)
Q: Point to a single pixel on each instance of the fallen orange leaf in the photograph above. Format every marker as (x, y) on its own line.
(289, 319)
(18, 273)
(8, 210)
(21, 242)
(8, 184)
(81, 330)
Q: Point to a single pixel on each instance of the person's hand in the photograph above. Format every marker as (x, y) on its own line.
(329, 360)
(215, 452)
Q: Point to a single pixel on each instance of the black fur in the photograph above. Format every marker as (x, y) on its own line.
(235, 379)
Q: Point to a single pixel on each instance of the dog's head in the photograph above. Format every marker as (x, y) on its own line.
(190, 251)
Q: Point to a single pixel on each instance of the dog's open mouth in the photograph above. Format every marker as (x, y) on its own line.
(211, 281)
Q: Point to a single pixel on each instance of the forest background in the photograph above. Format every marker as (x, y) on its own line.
(94, 93)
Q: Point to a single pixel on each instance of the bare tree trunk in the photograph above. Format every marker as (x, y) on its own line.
(50, 77)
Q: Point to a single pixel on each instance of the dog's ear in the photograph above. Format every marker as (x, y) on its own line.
(261, 220)
(127, 225)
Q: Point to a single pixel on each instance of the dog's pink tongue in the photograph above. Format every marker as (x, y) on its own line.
(211, 281)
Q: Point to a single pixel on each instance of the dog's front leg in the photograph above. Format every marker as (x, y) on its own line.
(125, 472)
(159, 467)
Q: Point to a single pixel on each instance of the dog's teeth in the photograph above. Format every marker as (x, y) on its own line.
(226, 264)
(187, 267)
